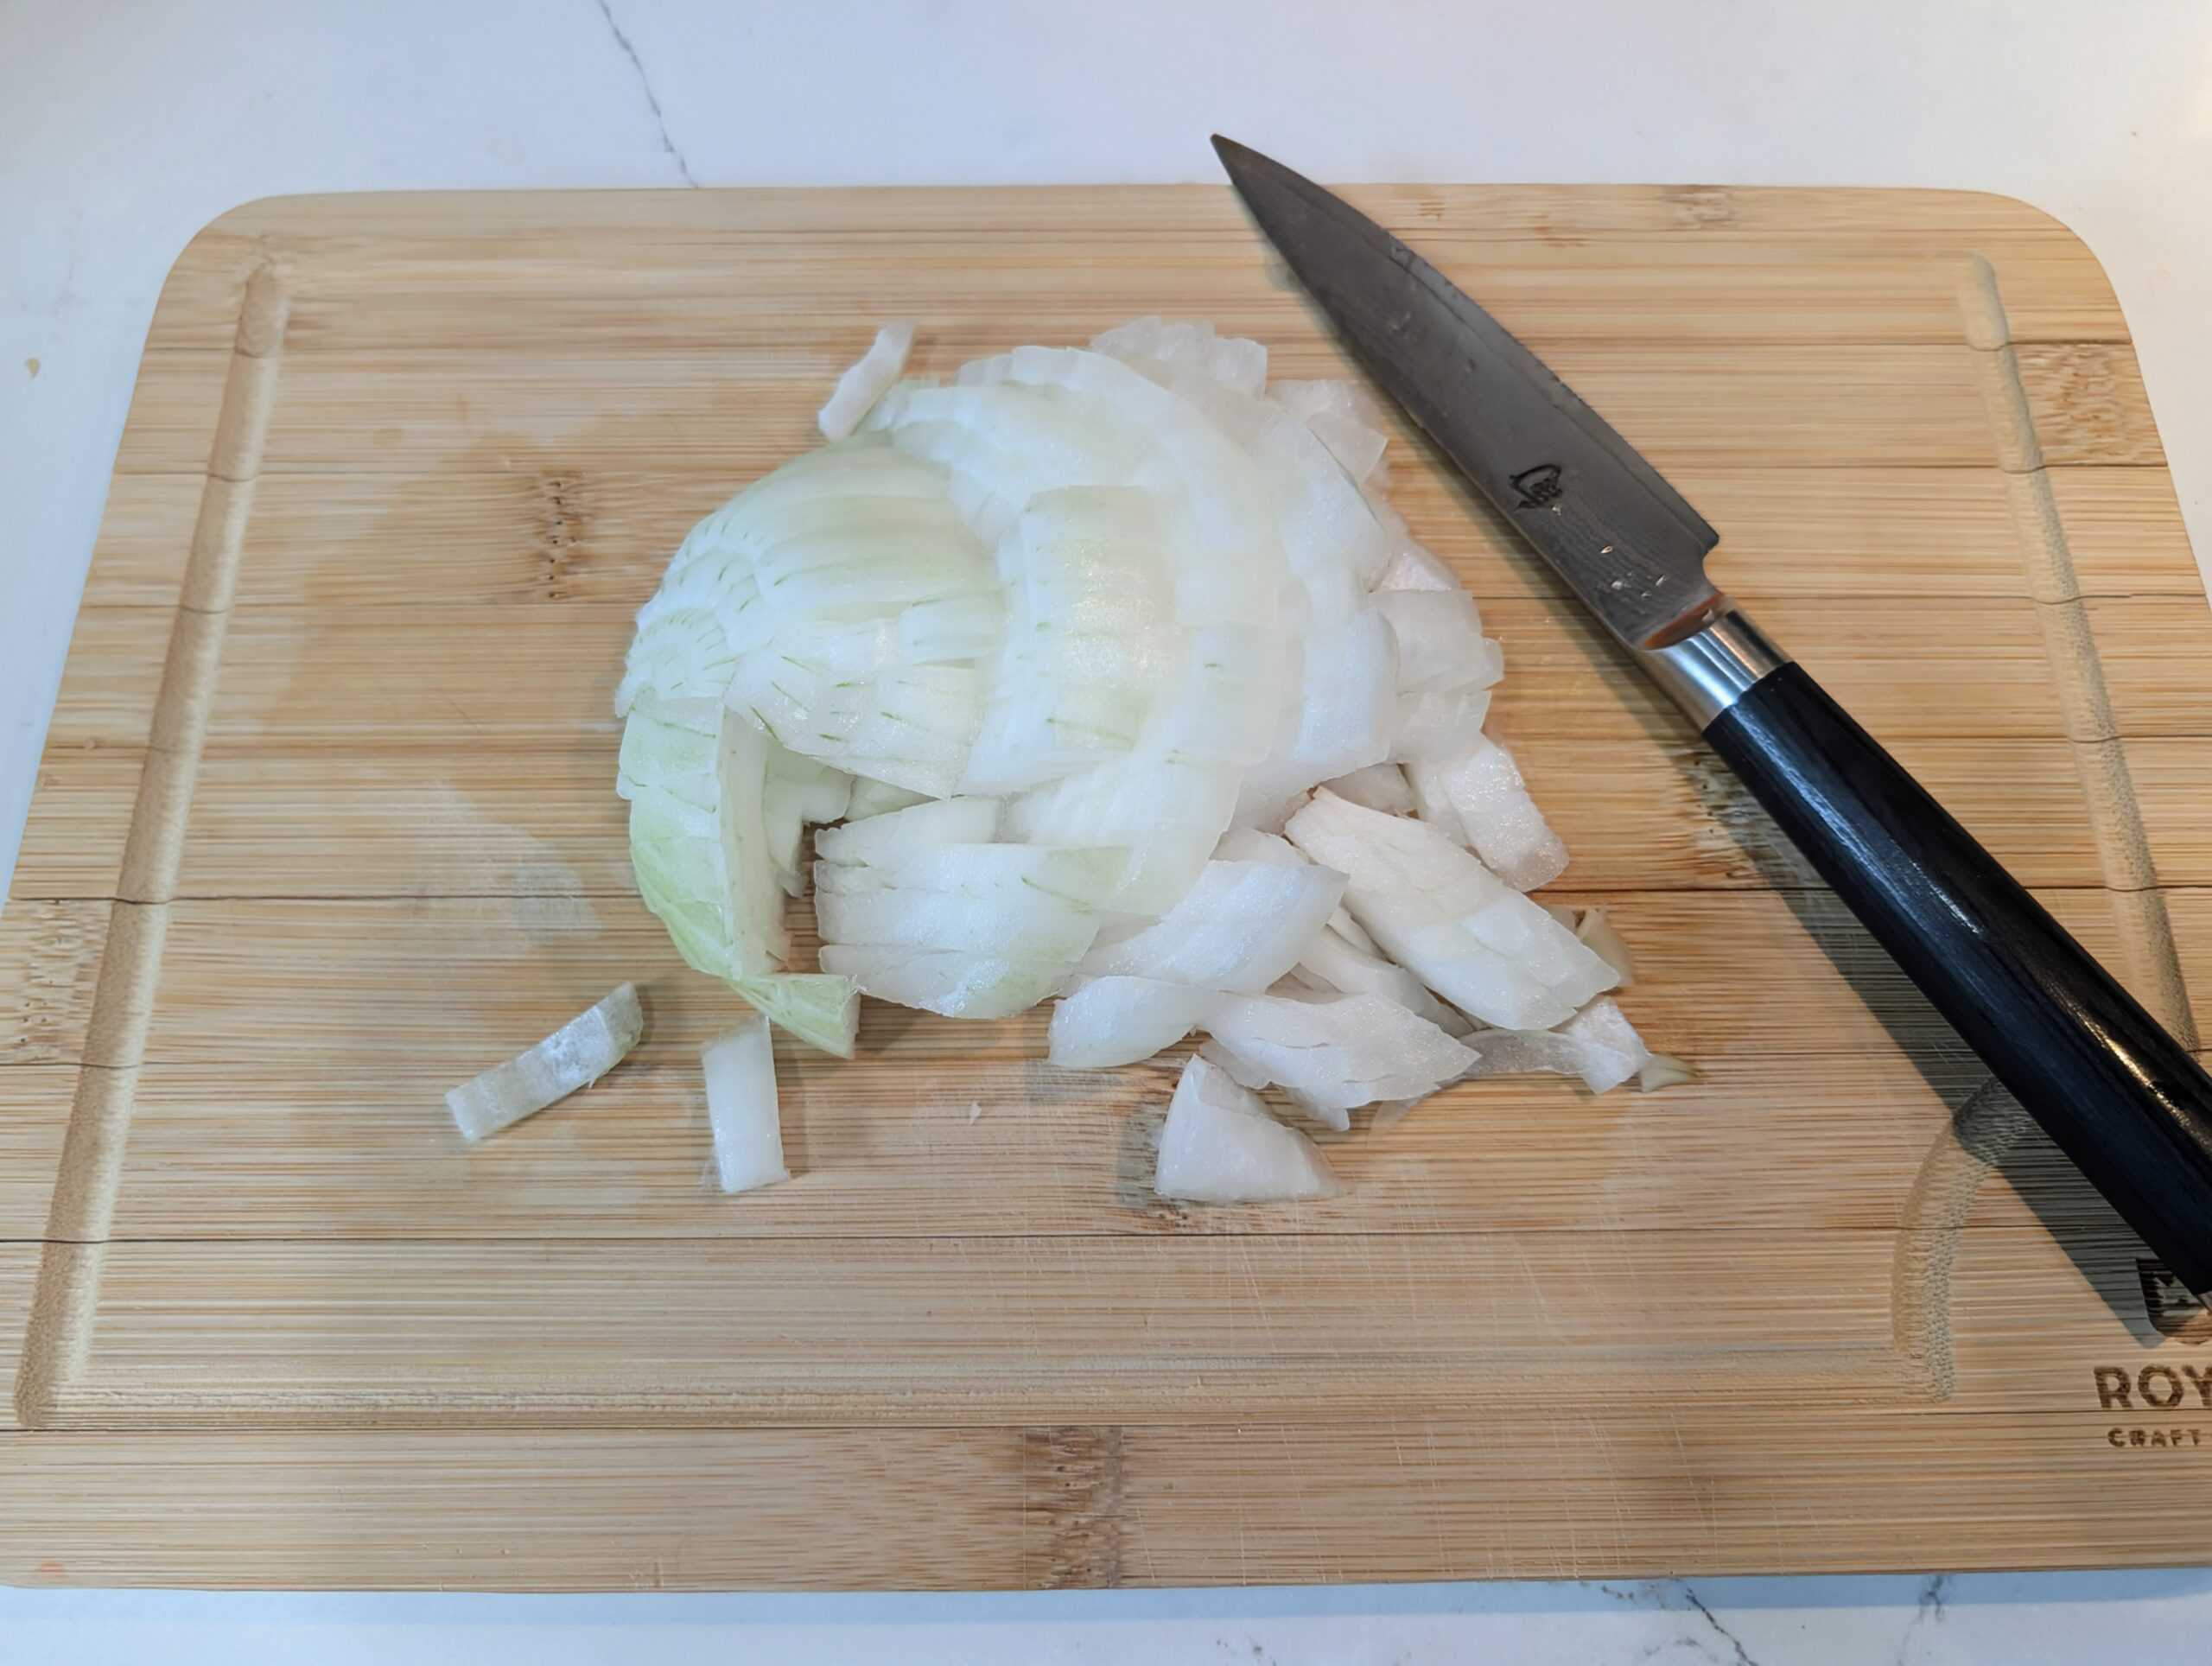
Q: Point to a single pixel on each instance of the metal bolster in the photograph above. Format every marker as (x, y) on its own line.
(1709, 671)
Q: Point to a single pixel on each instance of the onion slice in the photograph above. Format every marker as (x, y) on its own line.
(1102, 1021)
(1220, 1146)
(1597, 1044)
(740, 1071)
(573, 1056)
(1337, 1052)
(867, 380)
(1451, 922)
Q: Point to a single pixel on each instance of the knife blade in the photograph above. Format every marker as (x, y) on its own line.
(2119, 1096)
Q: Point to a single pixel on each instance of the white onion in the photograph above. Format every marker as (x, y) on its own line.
(821, 1010)
(1447, 918)
(1343, 417)
(742, 1110)
(695, 776)
(1249, 844)
(572, 1057)
(867, 380)
(1439, 640)
(1339, 1051)
(1479, 798)
(1219, 1144)
(1379, 786)
(1063, 644)
(1414, 566)
(1102, 1021)
(1599, 1045)
(955, 983)
(1339, 965)
(1241, 927)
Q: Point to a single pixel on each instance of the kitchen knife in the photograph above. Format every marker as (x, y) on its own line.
(2119, 1095)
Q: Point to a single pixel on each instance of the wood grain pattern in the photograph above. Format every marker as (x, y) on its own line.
(1505, 1495)
(554, 535)
(323, 824)
(18, 1271)
(611, 1509)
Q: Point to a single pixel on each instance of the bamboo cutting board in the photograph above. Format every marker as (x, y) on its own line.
(326, 823)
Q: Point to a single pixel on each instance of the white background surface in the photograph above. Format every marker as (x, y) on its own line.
(125, 127)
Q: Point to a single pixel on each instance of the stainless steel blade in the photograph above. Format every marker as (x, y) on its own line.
(1620, 535)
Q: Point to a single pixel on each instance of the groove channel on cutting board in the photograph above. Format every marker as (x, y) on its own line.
(1991, 1122)
(66, 1294)
(2153, 965)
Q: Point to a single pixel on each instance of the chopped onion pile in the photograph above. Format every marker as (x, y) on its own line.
(1125, 687)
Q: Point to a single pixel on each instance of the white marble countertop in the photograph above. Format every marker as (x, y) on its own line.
(127, 124)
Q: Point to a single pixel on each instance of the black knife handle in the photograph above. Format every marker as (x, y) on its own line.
(2119, 1095)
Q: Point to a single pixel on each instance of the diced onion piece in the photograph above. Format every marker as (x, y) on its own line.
(573, 1056)
(1343, 417)
(1662, 1070)
(821, 1010)
(1599, 1045)
(1444, 917)
(1379, 786)
(955, 983)
(1102, 1021)
(1241, 1070)
(1241, 927)
(1440, 640)
(740, 1070)
(1345, 968)
(867, 380)
(1438, 724)
(1347, 718)
(1415, 567)
(1339, 1051)
(1249, 844)
(1235, 363)
(1598, 932)
(1220, 1146)
(1479, 798)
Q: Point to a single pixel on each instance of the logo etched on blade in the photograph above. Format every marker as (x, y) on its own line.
(1539, 486)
